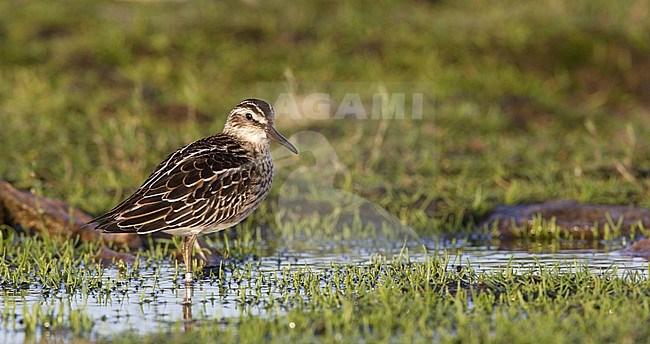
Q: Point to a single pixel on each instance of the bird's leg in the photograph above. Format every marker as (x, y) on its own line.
(188, 244)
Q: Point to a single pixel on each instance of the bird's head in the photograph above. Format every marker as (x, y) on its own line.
(252, 121)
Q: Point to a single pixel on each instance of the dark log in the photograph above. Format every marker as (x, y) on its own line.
(59, 219)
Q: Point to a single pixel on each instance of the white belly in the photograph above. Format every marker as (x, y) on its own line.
(198, 231)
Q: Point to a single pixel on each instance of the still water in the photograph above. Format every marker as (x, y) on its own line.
(152, 300)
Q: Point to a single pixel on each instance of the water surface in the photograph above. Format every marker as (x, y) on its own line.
(151, 301)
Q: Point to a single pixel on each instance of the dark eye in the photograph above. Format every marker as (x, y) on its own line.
(249, 116)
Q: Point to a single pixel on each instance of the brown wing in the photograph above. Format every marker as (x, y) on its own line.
(193, 188)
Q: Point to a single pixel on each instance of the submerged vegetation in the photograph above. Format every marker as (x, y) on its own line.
(522, 102)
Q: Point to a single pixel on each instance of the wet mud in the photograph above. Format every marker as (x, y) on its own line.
(572, 220)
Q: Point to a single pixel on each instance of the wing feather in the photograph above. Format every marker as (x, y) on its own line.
(183, 190)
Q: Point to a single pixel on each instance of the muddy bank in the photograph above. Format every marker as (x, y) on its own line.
(571, 220)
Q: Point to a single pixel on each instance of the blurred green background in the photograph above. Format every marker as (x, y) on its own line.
(530, 100)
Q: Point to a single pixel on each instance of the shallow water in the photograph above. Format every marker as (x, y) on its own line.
(152, 300)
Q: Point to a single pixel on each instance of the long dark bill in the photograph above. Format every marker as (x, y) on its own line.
(274, 134)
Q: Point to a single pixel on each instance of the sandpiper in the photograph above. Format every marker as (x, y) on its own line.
(207, 186)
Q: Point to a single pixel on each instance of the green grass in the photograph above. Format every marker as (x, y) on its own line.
(527, 102)
(383, 300)
(421, 302)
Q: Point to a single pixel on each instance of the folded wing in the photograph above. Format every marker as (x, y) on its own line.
(196, 187)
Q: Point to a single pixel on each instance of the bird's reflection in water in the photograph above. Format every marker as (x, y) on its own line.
(187, 307)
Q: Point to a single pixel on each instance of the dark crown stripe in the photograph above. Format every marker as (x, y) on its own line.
(260, 106)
